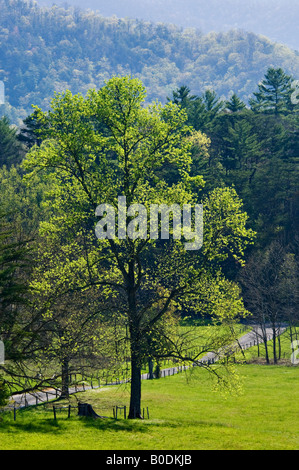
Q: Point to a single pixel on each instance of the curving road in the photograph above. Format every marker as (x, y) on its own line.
(246, 341)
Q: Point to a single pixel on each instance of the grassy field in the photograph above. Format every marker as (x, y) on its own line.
(185, 414)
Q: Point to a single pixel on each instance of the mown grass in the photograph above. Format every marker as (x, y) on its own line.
(185, 414)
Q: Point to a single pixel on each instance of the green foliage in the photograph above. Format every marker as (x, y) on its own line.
(48, 50)
(235, 104)
(11, 151)
(21, 209)
(4, 393)
(108, 144)
(13, 257)
(274, 95)
(256, 152)
(97, 142)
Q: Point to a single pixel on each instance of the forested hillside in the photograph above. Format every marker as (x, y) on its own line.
(48, 50)
(276, 19)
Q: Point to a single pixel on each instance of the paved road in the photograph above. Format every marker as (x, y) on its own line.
(246, 341)
(257, 336)
(252, 338)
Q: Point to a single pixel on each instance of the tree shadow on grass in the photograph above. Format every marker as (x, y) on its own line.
(121, 425)
(143, 426)
(46, 426)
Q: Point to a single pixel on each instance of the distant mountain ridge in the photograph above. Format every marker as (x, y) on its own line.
(47, 50)
(276, 19)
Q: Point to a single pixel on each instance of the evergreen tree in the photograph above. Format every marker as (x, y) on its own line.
(13, 258)
(11, 151)
(274, 93)
(204, 111)
(182, 97)
(29, 132)
(241, 148)
(235, 104)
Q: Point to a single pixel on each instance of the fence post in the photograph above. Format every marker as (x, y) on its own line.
(54, 411)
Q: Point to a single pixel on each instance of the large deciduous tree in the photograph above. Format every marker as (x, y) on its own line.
(110, 145)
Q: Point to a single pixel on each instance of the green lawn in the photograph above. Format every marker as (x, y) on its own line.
(184, 415)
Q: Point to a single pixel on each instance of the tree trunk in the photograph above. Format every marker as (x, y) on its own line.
(265, 340)
(135, 398)
(150, 369)
(279, 347)
(266, 349)
(65, 379)
(135, 340)
(274, 345)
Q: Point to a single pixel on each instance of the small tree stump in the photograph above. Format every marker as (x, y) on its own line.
(85, 409)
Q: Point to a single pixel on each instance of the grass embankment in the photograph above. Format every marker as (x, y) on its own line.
(184, 415)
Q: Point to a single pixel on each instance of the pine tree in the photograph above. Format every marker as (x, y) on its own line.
(13, 257)
(204, 110)
(29, 132)
(235, 104)
(274, 93)
(11, 150)
(182, 97)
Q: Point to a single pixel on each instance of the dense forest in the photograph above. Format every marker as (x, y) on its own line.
(47, 50)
